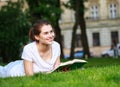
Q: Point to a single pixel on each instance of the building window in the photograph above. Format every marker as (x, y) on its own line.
(112, 10)
(94, 12)
(114, 37)
(96, 39)
(78, 40)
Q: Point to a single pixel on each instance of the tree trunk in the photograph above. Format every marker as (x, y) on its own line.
(73, 41)
(81, 22)
(59, 38)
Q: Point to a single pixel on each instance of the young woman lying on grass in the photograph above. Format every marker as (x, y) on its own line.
(41, 55)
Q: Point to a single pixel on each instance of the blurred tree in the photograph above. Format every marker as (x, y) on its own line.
(14, 28)
(78, 7)
(50, 10)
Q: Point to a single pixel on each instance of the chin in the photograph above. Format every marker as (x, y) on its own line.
(50, 42)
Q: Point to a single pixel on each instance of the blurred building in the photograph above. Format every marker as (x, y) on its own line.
(102, 21)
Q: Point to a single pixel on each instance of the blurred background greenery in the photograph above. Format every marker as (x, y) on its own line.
(15, 21)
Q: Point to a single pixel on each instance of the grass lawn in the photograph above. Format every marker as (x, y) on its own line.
(98, 72)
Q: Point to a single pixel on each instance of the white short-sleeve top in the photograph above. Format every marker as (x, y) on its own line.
(30, 53)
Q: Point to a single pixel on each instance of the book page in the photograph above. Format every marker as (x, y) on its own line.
(78, 60)
(65, 63)
(72, 61)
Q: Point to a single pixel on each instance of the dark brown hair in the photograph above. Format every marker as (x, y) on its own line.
(36, 29)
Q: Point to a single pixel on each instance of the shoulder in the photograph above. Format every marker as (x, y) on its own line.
(55, 43)
(56, 49)
(56, 46)
(29, 51)
(30, 45)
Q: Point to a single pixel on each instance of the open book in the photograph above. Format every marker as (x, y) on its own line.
(70, 65)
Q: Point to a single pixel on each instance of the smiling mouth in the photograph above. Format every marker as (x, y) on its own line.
(50, 40)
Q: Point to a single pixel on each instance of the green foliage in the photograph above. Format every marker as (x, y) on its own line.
(44, 9)
(14, 28)
(104, 76)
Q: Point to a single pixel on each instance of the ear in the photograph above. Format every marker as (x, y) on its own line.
(37, 37)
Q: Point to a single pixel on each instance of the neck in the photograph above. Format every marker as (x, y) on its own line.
(43, 47)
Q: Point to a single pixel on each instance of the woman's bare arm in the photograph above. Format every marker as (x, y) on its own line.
(28, 66)
(57, 63)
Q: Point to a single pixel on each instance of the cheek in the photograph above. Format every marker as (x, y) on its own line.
(42, 37)
(53, 34)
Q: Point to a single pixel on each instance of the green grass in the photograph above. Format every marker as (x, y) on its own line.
(98, 72)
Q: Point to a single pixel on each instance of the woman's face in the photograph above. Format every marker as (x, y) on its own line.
(46, 35)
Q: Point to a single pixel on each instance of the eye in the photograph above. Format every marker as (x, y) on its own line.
(46, 33)
(51, 31)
